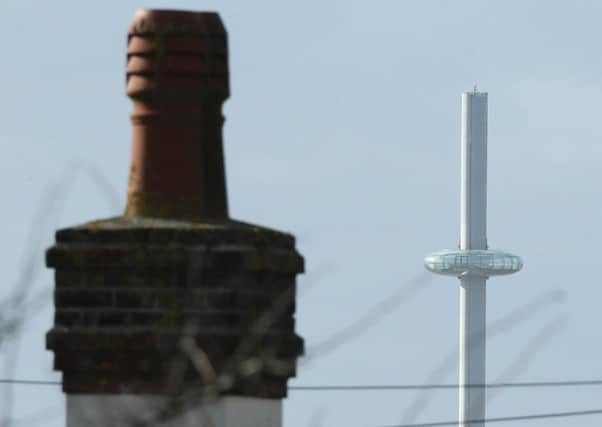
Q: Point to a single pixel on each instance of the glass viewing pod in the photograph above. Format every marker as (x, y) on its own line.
(473, 262)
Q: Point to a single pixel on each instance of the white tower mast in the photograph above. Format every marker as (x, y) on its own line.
(473, 235)
(473, 263)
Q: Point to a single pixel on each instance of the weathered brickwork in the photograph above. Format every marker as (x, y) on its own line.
(128, 290)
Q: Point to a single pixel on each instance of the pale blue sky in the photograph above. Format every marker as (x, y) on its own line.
(343, 128)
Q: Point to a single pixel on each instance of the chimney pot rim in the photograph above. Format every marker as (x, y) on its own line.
(175, 20)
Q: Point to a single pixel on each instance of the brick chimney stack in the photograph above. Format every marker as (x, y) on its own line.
(174, 312)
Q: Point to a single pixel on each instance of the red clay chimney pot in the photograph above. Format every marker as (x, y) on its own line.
(177, 78)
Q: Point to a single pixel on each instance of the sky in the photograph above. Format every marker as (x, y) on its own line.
(343, 128)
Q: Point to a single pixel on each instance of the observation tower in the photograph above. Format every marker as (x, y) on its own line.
(473, 262)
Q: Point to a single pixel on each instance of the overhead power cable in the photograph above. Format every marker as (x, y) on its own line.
(507, 419)
(443, 386)
(380, 387)
(30, 382)
(376, 387)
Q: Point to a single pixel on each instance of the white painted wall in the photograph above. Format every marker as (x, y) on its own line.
(124, 410)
